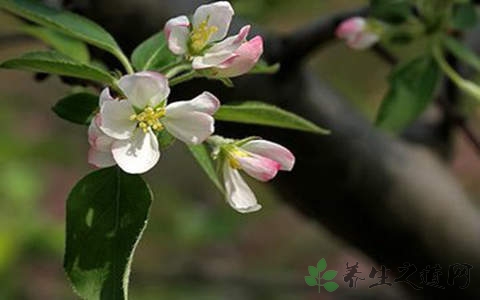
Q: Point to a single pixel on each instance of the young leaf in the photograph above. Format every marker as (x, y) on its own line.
(64, 44)
(330, 286)
(464, 16)
(311, 281)
(329, 275)
(107, 212)
(59, 64)
(77, 108)
(393, 11)
(462, 52)
(263, 68)
(411, 89)
(321, 265)
(312, 271)
(152, 54)
(201, 154)
(264, 114)
(67, 23)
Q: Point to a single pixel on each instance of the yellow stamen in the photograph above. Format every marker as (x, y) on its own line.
(149, 118)
(200, 36)
(233, 154)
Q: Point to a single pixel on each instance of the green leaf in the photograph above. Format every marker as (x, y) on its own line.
(78, 108)
(311, 281)
(393, 11)
(262, 67)
(64, 44)
(313, 271)
(107, 212)
(462, 52)
(464, 16)
(264, 114)
(202, 155)
(329, 275)
(152, 54)
(65, 22)
(321, 265)
(331, 286)
(411, 90)
(59, 64)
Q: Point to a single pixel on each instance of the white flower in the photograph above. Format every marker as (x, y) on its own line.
(132, 123)
(260, 159)
(202, 42)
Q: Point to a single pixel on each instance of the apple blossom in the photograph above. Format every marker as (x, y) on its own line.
(130, 125)
(357, 33)
(258, 158)
(201, 41)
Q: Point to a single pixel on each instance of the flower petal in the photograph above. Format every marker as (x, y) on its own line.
(138, 154)
(105, 96)
(97, 139)
(350, 27)
(189, 127)
(239, 195)
(100, 159)
(222, 51)
(272, 151)
(144, 88)
(219, 14)
(259, 167)
(205, 103)
(114, 119)
(363, 41)
(244, 59)
(176, 32)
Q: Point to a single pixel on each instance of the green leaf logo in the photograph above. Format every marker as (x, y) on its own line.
(316, 277)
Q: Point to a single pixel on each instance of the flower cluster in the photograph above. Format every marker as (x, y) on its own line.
(125, 130)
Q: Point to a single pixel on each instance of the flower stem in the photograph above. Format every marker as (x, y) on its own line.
(465, 85)
(182, 78)
(178, 69)
(125, 62)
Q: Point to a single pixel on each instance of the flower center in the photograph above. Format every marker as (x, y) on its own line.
(149, 118)
(233, 154)
(200, 36)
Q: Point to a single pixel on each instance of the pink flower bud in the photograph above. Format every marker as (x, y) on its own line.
(357, 34)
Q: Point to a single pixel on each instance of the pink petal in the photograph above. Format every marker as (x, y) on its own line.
(259, 167)
(97, 139)
(100, 159)
(350, 27)
(246, 56)
(176, 33)
(272, 151)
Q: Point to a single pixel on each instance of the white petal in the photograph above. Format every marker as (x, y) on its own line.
(105, 96)
(177, 33)
(138, 154)
(273, 151)
(189, 127)
(259, 167)
(239, 195)
(219, 14)
(114, 119)
(205, 102)
(97, 139)
(144, 88)
(100, 159)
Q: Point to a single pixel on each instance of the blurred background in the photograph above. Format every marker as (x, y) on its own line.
(195, 245)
